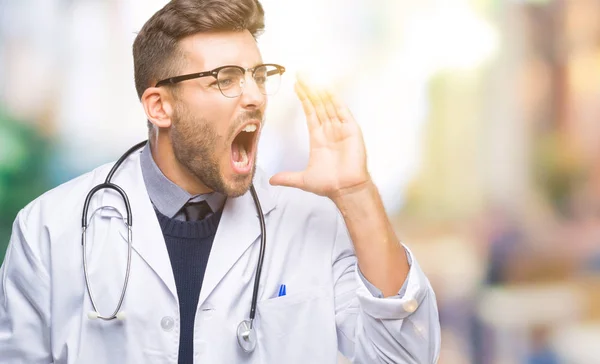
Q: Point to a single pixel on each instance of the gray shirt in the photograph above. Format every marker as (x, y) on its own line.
(166, 196)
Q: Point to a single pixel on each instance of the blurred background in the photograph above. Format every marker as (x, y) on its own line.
(482, 124)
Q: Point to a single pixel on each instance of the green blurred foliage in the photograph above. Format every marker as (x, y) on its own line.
(24, 172)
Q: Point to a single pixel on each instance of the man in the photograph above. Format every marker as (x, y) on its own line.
(334, 275)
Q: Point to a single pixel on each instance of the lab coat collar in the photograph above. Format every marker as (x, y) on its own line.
(238, 229)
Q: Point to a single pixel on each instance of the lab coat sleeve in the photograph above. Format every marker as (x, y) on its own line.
(24, 301)
(376, 292)
(401, 330)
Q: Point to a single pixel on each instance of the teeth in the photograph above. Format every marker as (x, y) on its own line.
(250, 128)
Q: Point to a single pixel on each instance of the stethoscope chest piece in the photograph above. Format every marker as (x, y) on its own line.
(246, 336)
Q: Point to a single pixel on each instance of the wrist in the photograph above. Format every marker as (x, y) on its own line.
(357, 194)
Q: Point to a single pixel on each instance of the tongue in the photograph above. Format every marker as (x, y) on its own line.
(239, 154)
(235, 152)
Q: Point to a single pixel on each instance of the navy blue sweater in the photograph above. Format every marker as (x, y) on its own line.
(188, 244)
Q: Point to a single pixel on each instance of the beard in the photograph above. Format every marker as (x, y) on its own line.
(196, 144)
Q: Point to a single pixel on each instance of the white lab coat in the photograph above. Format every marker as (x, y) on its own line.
(44, 302)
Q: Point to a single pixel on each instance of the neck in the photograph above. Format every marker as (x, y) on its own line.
(164, 157)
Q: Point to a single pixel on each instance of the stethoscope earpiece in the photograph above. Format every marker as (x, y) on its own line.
(117, 313)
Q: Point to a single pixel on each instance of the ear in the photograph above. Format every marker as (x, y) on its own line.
(157, 103)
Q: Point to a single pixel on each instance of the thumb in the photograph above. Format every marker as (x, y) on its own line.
(288, 179)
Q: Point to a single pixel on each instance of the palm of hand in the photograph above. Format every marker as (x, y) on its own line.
(337, 159)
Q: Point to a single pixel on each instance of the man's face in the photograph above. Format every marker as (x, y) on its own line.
(207, 129)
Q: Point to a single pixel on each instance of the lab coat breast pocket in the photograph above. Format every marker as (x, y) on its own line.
(297, 328)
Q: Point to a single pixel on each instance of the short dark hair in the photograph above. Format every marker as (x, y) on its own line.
(156, 53)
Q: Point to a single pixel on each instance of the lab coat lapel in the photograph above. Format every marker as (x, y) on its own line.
(147, 237)
(238, 229)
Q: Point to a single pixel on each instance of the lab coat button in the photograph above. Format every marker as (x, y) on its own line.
(410, 306)
(167, 323)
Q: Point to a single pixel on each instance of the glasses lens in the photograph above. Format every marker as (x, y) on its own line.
(230, 81)
(268, 79)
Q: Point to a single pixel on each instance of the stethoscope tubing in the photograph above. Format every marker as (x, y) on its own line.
(261, 256)
(129, 222)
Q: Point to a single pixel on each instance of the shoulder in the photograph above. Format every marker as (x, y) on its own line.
(297, 203)
(63, 202)
(304, 225)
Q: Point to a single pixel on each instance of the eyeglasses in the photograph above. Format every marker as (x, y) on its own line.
(231, 79)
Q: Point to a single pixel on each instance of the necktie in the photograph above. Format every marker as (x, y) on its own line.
(195, 211)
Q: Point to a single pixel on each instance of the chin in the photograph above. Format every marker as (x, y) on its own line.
(238, 185)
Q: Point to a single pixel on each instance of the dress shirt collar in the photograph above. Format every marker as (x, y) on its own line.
(167, 197)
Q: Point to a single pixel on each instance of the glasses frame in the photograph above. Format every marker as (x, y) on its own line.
(215, 73)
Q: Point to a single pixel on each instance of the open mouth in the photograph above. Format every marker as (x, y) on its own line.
(242, 148)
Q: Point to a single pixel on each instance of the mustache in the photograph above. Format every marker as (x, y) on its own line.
(250, 115)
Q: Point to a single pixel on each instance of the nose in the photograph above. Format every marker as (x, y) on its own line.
(252, 97)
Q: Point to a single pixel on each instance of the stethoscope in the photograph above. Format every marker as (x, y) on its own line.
(246, 333)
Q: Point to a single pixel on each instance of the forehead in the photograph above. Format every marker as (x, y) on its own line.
(205, 51)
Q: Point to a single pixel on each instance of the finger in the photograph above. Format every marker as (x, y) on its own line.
(288, 179)
(307, 106)
(315, 99)
(342, 111)
(329, 106)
